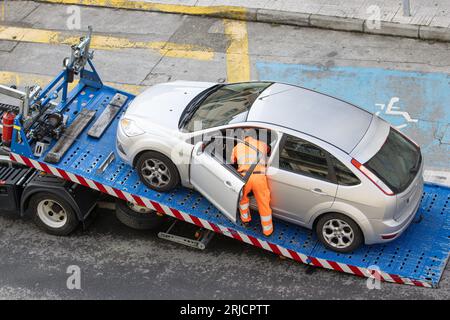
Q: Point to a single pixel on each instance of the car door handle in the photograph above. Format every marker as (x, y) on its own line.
(228, 184)
(319, 191)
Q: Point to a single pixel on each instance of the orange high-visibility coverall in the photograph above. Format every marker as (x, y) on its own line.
(245, 156)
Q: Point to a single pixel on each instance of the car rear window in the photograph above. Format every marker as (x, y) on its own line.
(397, 162)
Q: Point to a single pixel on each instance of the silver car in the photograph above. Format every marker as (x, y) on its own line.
(332, 167)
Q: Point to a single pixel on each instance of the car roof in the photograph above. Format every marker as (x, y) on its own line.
(329, 119)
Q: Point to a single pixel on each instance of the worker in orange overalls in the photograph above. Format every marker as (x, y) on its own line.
(245, 156)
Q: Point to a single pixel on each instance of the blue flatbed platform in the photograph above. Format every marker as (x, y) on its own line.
(418, 257)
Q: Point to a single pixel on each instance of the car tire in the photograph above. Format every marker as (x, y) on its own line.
(346, 238)
(53, 214)
(165, 171)
(136, 217)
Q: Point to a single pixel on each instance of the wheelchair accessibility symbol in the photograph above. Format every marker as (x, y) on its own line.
(390, 109)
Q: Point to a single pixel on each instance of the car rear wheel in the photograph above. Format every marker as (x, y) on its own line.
(339, 232)
(157, 171)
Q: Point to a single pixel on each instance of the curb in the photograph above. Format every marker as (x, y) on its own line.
(276, 17)
(353, 24)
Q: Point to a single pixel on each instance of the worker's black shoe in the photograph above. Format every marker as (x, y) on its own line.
(246, 224)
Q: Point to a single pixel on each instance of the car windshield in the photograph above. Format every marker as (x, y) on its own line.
(397, 162)
(221, 104)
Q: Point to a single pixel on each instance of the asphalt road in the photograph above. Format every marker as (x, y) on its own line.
(120, 263)
(137, 49)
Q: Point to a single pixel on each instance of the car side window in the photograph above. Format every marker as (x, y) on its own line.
(303, 157)
(220, 149)
(343, 174)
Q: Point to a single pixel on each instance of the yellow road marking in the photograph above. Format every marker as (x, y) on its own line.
(237, 57)
(3, 10)
(229, 11)
(22, 79)
(167, 49)
(238, 61)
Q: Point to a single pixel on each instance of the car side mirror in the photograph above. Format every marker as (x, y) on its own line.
(199, 148)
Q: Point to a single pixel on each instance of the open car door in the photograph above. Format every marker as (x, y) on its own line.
(213, 176)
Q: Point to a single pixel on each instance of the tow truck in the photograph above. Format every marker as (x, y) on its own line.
(61, 144)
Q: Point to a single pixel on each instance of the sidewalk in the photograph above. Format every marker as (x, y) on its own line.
(429, 20)
(434, 13)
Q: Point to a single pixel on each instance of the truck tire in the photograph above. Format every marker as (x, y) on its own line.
(157, 171)
(53, 214)
(137, 217)
(339, 233)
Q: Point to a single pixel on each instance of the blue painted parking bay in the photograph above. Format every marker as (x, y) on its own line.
(418, 257)
(415, 102)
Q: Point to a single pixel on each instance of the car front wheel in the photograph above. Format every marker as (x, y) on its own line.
(157, 171)
(339, 232)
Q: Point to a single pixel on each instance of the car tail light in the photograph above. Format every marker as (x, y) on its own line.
(372, 177)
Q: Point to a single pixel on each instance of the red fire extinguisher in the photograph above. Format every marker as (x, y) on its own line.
(8, 122)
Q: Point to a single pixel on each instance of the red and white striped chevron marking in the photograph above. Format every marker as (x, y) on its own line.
(328, 264)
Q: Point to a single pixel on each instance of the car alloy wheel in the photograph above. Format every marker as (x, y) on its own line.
(338, 233)
(156, 173)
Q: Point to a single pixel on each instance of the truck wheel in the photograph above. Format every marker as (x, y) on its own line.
(53, 214)
(157, 171)
(339, 232)
(137, 217)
